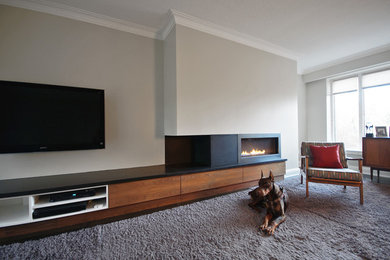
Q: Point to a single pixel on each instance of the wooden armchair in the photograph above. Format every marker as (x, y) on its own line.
(338, 176)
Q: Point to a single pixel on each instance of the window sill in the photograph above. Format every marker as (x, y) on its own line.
(354, 153)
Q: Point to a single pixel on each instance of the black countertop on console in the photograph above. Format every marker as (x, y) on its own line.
(43, 184)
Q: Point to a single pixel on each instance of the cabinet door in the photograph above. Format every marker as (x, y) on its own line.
(376, 152)
(252, 173)
(127, 193)
(209, 180)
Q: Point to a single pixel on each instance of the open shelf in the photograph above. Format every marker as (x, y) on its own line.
(92, 205)
(43, 200)
(14, 211)
(38, 207)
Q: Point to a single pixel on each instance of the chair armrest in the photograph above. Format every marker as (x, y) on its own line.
(302, 158)
(304, 162)
(360, 161)
(353, 159)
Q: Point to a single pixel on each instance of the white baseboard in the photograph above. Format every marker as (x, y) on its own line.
(292, 172)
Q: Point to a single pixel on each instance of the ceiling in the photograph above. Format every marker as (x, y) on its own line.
(318, 32)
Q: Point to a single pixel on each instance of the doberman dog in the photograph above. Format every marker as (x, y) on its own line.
(274, 199)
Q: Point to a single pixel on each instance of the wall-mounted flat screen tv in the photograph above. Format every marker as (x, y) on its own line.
(40, 117)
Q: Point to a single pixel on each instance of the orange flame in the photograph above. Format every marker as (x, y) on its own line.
(253, 152)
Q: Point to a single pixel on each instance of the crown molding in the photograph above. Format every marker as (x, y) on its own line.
(163, 33)
(83, 15)
(347, 59)
(176, 17)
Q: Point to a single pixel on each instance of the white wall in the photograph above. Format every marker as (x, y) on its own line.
(302, 127)
(316, 111)
(41, 48)
(225, 87)
(170, 94)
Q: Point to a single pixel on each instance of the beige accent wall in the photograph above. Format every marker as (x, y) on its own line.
(42, 48)
(198, 83)
(223, 87)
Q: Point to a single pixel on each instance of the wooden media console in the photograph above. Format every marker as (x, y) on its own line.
(119, 194)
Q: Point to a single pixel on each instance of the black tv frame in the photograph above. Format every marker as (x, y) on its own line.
(57, 147)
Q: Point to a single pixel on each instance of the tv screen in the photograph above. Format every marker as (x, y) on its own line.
(40, 117)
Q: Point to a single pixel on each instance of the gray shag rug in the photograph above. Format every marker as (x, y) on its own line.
(330, 224)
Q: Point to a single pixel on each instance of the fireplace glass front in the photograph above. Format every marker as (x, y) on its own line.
(255, 148)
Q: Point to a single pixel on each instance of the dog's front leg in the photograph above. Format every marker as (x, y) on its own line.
(274, 224)
(267, 218)
(252, 204)
(256, 204)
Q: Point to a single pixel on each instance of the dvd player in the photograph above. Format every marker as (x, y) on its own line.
(72, 195)
(60, 209)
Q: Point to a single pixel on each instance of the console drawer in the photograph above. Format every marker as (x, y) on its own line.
(127, 193)
(252, 173)
(209, 180)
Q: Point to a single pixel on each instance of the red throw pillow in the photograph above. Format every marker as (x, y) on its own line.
(326, 156)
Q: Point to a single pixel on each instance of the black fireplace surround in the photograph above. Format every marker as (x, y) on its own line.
(221, 150)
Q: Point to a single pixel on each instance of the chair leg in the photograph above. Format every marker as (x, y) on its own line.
(361, 193)
(345, 187)
(307, 188)
(301, 178)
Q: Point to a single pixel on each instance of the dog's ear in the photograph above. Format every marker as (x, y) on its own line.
(271, 176)
(261, 177)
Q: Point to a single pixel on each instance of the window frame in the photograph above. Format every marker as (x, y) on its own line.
(331, 127)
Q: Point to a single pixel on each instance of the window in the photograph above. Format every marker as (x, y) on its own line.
(376, 93)
(355, 101)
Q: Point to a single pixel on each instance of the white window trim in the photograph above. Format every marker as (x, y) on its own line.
(330, 101)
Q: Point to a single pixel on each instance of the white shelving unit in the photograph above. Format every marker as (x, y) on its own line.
(20, 210)
(14, 211)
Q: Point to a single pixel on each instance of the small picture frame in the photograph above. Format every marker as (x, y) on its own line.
(381, 131)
